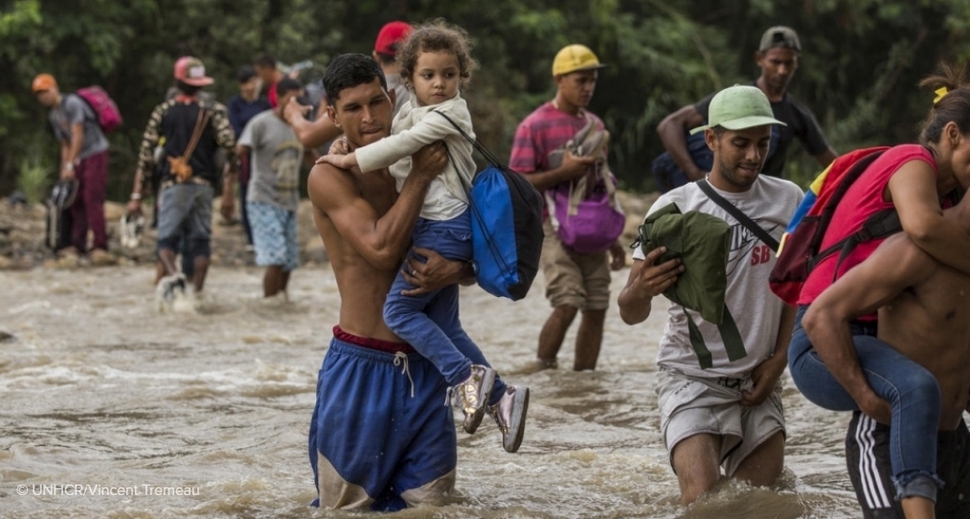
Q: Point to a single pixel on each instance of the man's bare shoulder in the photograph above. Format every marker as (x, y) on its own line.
(328, 184)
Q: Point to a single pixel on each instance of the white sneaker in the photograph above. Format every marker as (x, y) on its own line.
(131, 227)
(167, 289)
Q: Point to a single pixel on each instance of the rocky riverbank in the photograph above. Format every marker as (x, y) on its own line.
(23, 228)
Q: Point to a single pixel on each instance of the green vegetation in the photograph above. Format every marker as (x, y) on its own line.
(858, 73)
(33, 180)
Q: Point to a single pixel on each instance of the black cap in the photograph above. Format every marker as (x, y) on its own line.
(780, 36)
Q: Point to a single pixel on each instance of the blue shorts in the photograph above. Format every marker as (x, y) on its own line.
(274, 235)
(381, 437)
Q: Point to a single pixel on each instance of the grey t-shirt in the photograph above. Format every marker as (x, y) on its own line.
(395, 83)
(74, 110)
(275, 167)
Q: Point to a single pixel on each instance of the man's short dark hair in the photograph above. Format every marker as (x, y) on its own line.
(187, 89)
(348, 71)
(387, 59)
(287, 84)
(265, 60)
(245, 73)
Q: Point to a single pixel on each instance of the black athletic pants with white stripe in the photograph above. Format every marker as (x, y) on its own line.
(867, 458)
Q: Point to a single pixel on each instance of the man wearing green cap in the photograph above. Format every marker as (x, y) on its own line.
(728, 413)
(686, 158)
(575, 281)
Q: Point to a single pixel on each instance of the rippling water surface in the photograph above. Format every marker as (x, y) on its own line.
(109, 409)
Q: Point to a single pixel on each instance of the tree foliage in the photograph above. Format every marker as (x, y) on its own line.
(861, 62)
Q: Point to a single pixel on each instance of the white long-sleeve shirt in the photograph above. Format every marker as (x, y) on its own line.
(415, 127)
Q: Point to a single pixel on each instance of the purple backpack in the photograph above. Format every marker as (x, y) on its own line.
(585, 212)
(109, 117)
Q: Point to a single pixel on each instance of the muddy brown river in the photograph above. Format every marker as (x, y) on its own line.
(109, 409)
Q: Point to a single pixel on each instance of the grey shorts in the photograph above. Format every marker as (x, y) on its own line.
(691, 405)
(573, 279)
(184, 211)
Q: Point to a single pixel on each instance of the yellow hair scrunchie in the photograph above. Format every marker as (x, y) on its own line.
(940, 94)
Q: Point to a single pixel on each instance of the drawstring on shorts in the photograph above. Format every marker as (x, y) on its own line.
(406, 369)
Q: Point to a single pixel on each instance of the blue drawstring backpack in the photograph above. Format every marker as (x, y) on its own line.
(506, 214)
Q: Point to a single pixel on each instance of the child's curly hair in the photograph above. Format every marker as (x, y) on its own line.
(435, 36)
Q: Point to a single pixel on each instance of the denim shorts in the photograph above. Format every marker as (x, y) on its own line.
(184, 212)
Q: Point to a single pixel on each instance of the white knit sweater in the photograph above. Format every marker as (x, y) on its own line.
(415, 127)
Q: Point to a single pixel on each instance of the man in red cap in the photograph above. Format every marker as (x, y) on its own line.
(193, 128)
(84, 157)
(317, 133)
(389, 40)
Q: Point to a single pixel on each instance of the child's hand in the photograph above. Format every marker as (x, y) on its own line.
(339, 147)
(340, 161)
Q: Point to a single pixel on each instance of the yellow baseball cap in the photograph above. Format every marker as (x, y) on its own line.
(574, 57)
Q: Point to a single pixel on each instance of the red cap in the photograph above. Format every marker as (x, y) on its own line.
(191, 71)
(391, 36)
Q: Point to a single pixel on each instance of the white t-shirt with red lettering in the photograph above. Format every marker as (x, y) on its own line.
(770, 202)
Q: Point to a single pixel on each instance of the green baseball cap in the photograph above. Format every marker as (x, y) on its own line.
(737, 108)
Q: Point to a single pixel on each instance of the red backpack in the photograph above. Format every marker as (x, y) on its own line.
(799, 251)
(109, 117)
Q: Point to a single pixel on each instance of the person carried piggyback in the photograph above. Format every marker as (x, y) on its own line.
(435, 64)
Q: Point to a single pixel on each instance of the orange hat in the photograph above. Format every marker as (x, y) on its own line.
(43, 82)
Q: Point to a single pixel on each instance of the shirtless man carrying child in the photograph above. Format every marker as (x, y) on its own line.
(924, 316)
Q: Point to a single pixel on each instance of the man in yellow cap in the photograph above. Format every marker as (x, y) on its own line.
(84, 157)
(575, 281)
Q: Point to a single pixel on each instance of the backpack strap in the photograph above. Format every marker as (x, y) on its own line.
(730, 336)
(742, 218)
(879, 225)
(89, 108)
(200, 123)
(489, 156)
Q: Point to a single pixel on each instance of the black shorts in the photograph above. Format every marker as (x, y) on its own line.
(870, 469)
